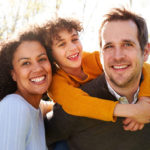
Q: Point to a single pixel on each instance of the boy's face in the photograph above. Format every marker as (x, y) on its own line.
(67, 50)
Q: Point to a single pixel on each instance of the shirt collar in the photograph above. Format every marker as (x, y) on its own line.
(118, 97)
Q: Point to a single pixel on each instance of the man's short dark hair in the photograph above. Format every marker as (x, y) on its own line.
(123, 14)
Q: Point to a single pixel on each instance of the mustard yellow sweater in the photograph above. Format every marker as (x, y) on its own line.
(64, 90)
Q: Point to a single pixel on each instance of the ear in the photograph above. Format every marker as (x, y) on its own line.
(13, 74)
(146, 52)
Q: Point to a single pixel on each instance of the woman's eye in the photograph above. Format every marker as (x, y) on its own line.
(25, 63)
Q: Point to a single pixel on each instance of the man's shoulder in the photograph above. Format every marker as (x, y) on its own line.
(98, 88)
(95, 86)
(97, 83)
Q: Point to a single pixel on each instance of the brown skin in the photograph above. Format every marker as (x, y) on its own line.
(31, 71)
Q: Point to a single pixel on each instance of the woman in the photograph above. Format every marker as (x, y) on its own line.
(25, 76)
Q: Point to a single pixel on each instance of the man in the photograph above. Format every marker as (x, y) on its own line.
(124, 48)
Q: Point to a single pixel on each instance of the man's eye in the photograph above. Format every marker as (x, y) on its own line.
(108, 46)
(127, 44)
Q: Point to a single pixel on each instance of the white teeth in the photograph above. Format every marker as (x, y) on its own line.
(120, 67)
(39, 79)
(73, 56)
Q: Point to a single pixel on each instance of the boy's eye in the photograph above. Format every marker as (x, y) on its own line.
(43, 59)
(61, 44)
(76, 39)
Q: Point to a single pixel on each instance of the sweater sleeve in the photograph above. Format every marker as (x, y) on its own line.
(145, 85)
(76, 102)
(14, 125)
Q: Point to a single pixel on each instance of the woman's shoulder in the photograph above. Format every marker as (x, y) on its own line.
(14, 103)
(15, 118)
(12, 99)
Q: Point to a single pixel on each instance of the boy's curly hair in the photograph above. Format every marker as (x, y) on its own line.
(54, 27)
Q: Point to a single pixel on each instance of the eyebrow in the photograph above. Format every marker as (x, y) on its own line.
(109, 43)
(61, 40)
(27, 58)
(74, 34)
(130, 41)
(124, 41)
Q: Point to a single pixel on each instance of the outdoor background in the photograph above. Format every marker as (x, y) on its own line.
(16, 14)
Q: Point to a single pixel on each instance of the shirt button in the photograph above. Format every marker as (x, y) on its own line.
(123, 100)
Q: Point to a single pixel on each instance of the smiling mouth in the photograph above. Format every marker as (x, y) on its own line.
(120, 67)
(74, 56)
(38, 79)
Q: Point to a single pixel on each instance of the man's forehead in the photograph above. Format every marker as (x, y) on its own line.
(119, 26)
(119, 31)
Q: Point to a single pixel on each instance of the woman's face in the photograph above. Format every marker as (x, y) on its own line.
(31, 68)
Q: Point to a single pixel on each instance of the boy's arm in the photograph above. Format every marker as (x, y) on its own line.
(129, 123)
(76, 102)
(145, 85)
(139, 112)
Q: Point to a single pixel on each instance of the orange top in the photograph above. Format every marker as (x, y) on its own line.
(64, 90)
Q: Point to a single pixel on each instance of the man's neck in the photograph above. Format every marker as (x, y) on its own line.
(128, 92)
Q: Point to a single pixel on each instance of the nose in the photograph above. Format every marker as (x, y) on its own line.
(118, 53)
(71, 46)
(36, 67)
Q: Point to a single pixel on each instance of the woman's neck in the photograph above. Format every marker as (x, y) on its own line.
(34, 100)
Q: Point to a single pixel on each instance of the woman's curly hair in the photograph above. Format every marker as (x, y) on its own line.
(7, 50)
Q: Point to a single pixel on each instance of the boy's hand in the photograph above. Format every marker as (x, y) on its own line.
(132, 125)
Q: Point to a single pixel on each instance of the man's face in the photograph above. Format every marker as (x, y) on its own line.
(121, 54)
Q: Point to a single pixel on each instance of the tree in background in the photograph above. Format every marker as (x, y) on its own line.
(18, 13)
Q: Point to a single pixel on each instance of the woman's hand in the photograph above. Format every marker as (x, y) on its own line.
(46, 106)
